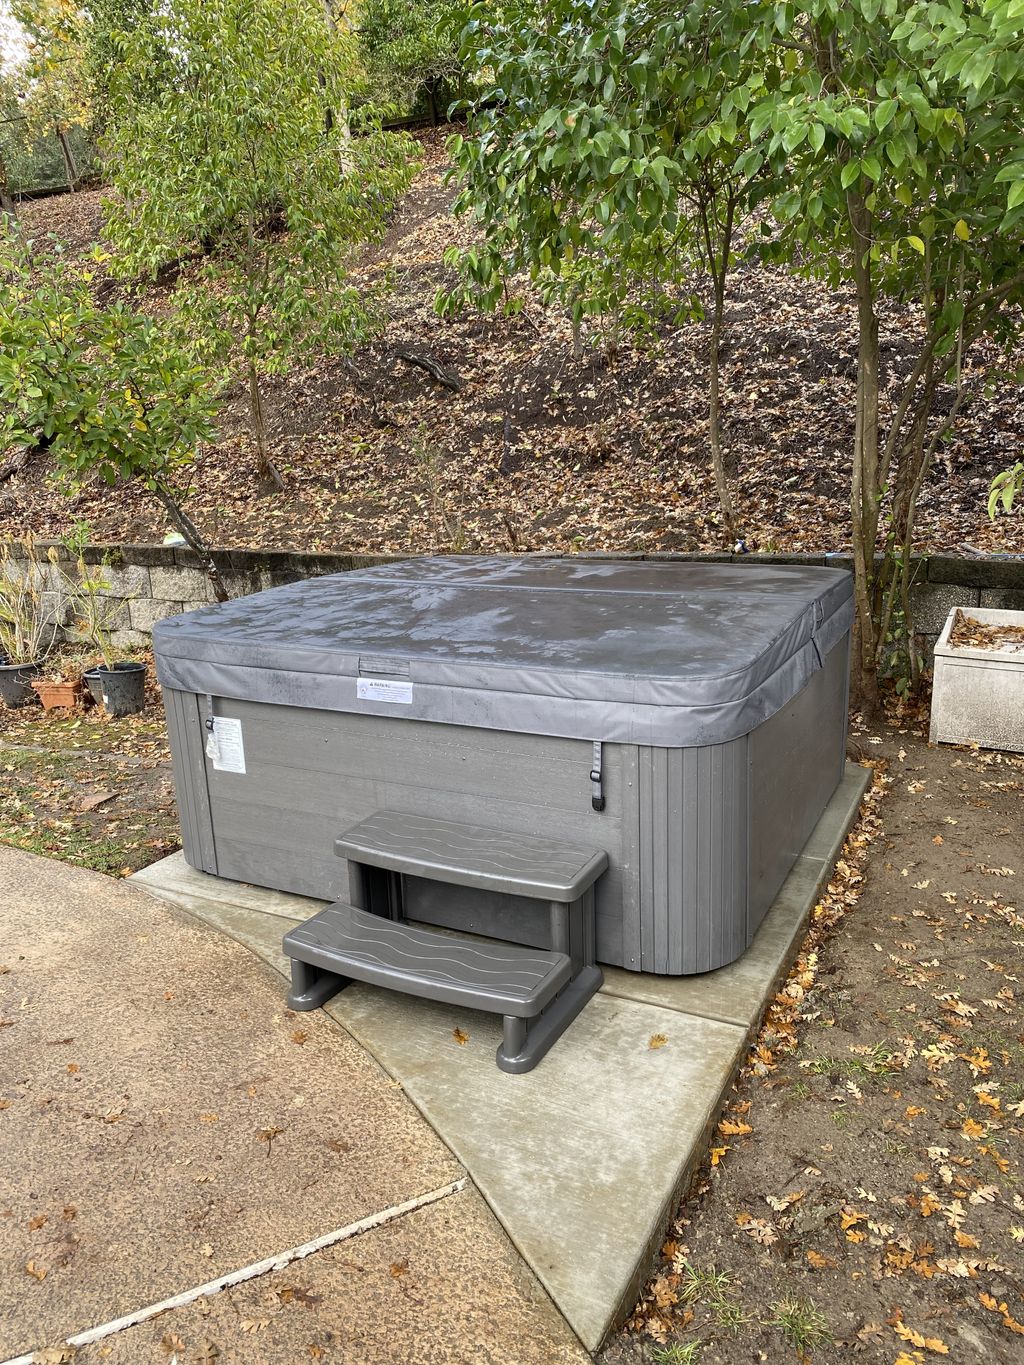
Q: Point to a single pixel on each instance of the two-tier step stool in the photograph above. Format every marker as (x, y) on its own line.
(538, 991)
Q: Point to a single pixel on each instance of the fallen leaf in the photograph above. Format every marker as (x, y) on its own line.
(717, 1153)
(299, 1036)
(37, 1271)
(209, 1118)
(172, 1343)
(818, 1261)
(399, 1268)
(253, 1324)
(730, 1129)
(908, 1334)
(656, 1040)
(37, 1222)
(460, 1037)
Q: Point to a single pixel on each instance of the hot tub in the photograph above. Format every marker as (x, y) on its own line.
(689, 718)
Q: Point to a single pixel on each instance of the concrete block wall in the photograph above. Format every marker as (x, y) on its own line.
(150, 582)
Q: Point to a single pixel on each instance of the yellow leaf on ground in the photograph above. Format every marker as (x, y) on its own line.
(656, 1040)
(461, 1038)
(37, 1271)
(964, 1239)
(972, 1128)
(933, 1344)
(730, 1129)
(717, 1153)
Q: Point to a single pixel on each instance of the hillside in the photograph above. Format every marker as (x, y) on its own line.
(536, 451)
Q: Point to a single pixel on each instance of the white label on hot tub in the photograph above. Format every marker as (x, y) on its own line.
(382, 689)
(226, 750)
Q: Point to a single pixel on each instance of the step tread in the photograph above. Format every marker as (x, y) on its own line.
(469, 855)
(481, 973)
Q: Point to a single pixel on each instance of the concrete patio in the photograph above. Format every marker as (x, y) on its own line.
(176, 1152)
(582, 1159)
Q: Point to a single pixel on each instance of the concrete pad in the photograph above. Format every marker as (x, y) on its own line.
(583, 1158)
(171, 879)
(441, 1286)
(145, 1060)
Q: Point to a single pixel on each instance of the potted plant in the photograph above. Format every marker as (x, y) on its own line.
(28, 623)
(119, 686)
(60, 689)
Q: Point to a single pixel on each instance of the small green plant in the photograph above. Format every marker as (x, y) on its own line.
(700, 1284)
(95, 611)
(801, 1322)
(677, 1354)
(1005, 489)
(28, 621)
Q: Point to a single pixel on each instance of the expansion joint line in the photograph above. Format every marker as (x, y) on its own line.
(251, 1272)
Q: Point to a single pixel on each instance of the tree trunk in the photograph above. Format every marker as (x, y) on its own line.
(71, 170)
(715, 411)
(264, 465)
(866, 495)
(7, 204)
(194, 540)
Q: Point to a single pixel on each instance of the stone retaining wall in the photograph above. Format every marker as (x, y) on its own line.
(154, 581)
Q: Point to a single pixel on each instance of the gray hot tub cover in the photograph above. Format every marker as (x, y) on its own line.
(665, 653)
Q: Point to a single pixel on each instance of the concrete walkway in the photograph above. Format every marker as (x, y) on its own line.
(583, 1158)
(165, 1122)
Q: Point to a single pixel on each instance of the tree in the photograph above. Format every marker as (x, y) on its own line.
(56, 89)
(109, 29)
(892, 151)
(602, 157)
(109, 392)
(410, 49)
(233, 157)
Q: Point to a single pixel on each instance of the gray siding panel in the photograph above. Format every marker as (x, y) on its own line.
(188, 763)
(692, 829)
(796, 763)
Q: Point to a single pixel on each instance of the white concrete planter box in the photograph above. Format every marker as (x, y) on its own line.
(978, 693)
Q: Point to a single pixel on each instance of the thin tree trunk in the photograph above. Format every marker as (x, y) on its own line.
(718, 247)
(193, 540)
(264, 465)
(70, 168)
(7, 204)
(865, 491)
(715, 414)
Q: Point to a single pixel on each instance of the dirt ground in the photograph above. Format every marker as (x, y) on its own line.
(864, 1198)
(88, 788)
(537, 451)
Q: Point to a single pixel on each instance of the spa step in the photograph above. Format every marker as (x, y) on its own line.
(480, 973)
(466, 855)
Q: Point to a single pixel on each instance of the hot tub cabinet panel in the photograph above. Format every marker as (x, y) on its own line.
(699, 836)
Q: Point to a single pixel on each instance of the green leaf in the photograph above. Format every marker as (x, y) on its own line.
(917, 244)
(884, 113)
(962, 230)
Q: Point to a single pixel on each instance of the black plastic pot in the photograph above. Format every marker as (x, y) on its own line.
(120, 690)
(16, 683)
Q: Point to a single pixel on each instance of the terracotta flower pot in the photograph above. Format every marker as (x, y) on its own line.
(58, 696)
